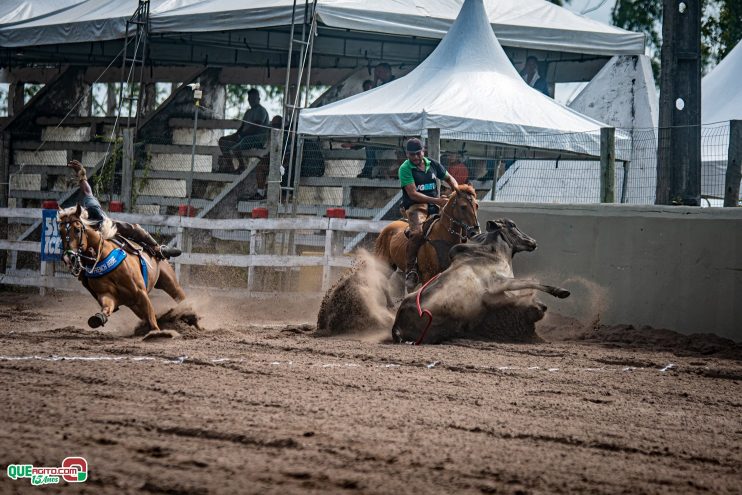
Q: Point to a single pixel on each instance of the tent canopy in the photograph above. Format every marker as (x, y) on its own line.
(721, 99)
(467, 88)
(530, 24)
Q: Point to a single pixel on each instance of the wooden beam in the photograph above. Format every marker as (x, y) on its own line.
(679, 144)
(607, 164)
(734, 164)
(434, 144)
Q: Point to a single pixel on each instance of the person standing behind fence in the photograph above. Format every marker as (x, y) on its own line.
(420, 197)
(531, 76)
(253, 133)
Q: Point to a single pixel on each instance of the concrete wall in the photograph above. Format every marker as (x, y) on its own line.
(668, 267)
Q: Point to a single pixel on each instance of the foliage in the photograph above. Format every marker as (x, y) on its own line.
(721, 27)
(30, 90)
(146, 159)
(103, 180)
(271, 97)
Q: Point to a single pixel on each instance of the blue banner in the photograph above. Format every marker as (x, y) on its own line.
(51, 242)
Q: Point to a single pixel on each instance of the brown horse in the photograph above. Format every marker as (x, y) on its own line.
(91, 253)
(457, 222)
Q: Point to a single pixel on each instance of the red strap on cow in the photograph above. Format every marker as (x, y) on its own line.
(421, 312)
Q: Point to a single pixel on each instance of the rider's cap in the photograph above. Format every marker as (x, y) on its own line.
(414, 145)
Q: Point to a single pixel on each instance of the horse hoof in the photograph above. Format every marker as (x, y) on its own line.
(161, 334)
(97, 320)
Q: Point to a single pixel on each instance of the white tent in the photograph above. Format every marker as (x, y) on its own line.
(531, 24)
(467, 88)
(623, 95)
(721, 99)
(15, 11)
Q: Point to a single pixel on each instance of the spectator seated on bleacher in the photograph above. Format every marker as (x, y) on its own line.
(252, 134)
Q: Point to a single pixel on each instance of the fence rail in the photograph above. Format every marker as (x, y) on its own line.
(186, 227)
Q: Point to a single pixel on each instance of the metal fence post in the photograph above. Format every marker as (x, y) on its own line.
(607, 164)
(127, 168)
(734, 164)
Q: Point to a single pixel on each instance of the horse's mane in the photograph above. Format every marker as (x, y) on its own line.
(106, 228)
(467, 189)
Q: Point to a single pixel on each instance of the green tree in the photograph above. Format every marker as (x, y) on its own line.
(721, 27)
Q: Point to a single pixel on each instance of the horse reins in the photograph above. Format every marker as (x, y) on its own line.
(76, 256)
(421, 312)
(464, 227)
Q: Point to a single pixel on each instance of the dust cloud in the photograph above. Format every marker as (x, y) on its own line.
(362, 302)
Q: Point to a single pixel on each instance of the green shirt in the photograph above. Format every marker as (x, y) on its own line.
(424, 181)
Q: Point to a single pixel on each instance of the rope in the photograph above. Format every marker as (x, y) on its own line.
(421, 312)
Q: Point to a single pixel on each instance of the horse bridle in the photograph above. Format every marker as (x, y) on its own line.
(76, 257)
(463, 234)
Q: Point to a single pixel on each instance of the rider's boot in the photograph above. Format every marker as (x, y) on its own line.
(160, 252)
(169, 252)
(412, 278)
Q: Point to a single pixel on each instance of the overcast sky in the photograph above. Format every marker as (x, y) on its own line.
(602, 13)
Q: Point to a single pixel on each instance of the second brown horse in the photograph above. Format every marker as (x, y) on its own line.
(457, 222)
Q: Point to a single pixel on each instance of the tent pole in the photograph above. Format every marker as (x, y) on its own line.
(312, 31)
(288, 63)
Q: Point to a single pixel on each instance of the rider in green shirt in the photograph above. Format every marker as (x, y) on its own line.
(418, 177)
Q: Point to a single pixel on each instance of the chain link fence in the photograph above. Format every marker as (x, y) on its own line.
(355, 179)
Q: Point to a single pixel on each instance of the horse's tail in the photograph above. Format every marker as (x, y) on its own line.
(382, 247)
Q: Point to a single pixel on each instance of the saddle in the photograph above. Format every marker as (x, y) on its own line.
(133, 247)
(136, 249)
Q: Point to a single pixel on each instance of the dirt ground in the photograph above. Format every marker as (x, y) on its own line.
(255, 403)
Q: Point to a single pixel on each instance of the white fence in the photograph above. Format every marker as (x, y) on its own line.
(45, 278)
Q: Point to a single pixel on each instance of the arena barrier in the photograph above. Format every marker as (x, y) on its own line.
(671, 267)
